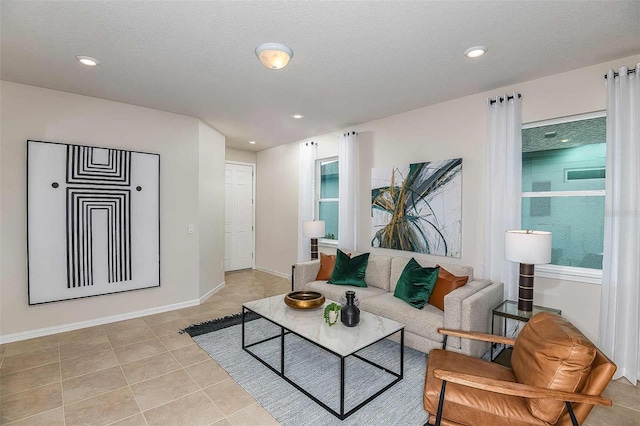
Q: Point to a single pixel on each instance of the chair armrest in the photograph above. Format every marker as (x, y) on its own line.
(478, 336)
(517, 389)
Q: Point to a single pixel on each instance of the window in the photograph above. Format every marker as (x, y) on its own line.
(327, 196)
(563, 171)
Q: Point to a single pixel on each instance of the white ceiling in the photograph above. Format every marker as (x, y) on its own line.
(353, 61)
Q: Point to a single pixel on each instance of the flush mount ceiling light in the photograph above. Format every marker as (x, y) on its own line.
(297, 116)
(475, 51)
(252, 142)
(88, 61)
(274, 56)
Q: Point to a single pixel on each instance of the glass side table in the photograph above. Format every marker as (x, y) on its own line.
(509, 310)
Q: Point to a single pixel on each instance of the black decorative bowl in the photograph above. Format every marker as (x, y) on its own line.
(304, 299)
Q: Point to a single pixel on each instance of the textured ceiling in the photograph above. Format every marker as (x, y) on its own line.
(353, 61)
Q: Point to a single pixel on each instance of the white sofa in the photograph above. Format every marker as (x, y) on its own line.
(466, 308)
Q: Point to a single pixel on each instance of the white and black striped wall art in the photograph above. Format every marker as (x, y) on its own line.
(93, 221)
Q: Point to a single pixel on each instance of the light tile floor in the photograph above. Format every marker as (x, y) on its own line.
(141, 372)
(135, 372)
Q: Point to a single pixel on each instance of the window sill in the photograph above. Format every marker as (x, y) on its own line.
(570, 273)
(327, 243)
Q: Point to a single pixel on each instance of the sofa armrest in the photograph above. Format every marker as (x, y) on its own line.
(476, 316)
(453, 307)
(305, 272)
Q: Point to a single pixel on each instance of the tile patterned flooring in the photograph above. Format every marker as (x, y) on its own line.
(141, 372)
(138, 372)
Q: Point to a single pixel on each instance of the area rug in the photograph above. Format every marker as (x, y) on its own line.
(318, 372)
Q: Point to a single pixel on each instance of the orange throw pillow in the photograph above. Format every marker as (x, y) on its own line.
(327, 263)
(447, 282)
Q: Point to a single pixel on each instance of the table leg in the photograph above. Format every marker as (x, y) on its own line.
(282, 350)
(341, 386)
(244, 311)
(402, 353)
(493, 321)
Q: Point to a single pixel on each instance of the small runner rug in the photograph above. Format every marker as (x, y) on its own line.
(318, 372)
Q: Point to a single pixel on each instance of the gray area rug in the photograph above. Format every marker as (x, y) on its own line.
(318, 371)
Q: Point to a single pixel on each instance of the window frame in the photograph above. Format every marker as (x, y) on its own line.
(561, 272)
(317, 199)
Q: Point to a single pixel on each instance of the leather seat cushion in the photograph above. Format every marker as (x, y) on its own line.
(551, 353)
(469, 406)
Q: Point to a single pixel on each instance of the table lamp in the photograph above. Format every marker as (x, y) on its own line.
(529, 248)
(313, 229)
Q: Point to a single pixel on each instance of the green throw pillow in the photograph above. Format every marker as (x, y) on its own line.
(416, 284)
(350, 270)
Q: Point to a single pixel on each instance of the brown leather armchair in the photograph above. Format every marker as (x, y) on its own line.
(556, 377)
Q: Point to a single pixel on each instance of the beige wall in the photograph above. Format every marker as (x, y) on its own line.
(211, 188)
(277, 208)
(34, 113)
(240, 155)
(447, 130)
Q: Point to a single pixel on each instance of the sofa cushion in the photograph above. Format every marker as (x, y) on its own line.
(349, 270)
(398, 264)
(416, 284)
(551, 353)
(422, 322)
(446, 283)
(327, 262)
(378, 272)
(336, 292)
(465, 405)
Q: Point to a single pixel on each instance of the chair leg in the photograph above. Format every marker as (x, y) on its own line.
(440, 403)
(574, 421)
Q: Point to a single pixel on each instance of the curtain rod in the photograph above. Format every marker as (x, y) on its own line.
(347, 134)
(493, 101)
(311, 143)
(616, 74)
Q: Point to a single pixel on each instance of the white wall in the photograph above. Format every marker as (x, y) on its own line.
(240, 155)
(41, 114)
(211, 156)
(451, 129)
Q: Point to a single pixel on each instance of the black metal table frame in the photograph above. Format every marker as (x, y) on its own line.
(341, 415)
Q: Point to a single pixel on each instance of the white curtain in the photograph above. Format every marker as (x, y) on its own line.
(619, 320)
(502, 188)
(347, 222)
(306, 190)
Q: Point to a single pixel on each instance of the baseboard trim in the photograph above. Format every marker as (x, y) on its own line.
(212, 292)
(14, 337)
(269, 271)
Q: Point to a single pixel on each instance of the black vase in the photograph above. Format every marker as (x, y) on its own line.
(350, 314)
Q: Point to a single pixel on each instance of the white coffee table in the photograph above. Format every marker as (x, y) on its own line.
(339, 340)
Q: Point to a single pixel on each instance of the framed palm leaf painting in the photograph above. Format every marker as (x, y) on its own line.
(418, 207)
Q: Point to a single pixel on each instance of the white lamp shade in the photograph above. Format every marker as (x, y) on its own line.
(532, 247)
(274, 56)
(313, 229)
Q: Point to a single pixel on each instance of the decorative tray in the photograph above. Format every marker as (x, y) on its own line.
(304, 299)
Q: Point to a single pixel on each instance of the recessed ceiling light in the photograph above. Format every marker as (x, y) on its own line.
(252, 142)
(475, 51)
(88, 61)
(274, 56)
(298, 116)
(564, 140)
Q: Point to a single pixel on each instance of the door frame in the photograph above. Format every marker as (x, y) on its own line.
(253, 207)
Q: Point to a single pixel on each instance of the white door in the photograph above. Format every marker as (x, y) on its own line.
(238, 217)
